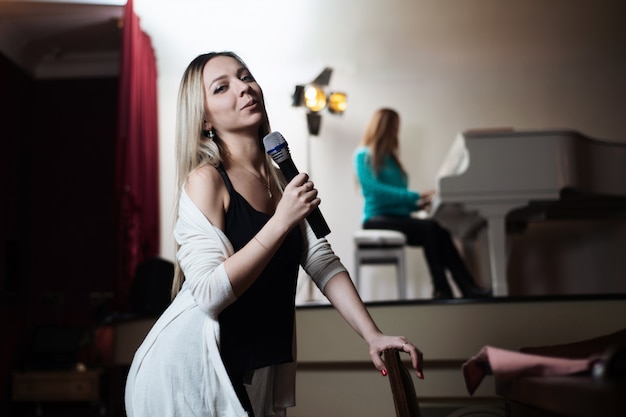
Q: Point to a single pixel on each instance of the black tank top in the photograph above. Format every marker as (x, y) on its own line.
(257, 329)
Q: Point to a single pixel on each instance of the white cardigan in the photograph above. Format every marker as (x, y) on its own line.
(203, 250)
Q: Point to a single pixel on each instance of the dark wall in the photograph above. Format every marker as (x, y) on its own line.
(15, 101)
(16, 92)
(72, 231)
(57, 236)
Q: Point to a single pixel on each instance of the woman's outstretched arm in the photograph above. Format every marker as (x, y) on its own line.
(341, 292)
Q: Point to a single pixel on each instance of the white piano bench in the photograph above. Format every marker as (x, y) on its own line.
(380, 247)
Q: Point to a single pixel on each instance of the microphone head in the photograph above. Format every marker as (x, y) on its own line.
(273, 140)
(276, 146)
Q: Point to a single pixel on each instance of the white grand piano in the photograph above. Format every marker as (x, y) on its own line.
(491, 177)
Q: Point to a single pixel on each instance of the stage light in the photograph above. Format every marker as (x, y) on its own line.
(337, 102)
(315, 99)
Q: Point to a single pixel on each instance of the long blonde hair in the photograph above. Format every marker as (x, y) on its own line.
(381, 137)
(193, 147)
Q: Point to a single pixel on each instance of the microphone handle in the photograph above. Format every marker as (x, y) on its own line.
(315, 219)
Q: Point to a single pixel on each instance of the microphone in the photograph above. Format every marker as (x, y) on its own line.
(276, 146)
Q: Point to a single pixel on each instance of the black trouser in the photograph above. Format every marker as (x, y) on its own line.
(439, 249)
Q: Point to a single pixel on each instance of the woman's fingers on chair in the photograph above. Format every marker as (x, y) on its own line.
(417, 358)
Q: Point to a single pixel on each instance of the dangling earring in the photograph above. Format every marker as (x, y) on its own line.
(209, 133)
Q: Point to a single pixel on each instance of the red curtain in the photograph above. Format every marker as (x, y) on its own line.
(137, 181)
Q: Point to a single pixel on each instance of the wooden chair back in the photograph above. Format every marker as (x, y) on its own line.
(402, 388)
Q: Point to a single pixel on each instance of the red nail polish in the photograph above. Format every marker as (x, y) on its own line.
(384, 372)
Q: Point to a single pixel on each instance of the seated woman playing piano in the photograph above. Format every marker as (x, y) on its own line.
(389, 204)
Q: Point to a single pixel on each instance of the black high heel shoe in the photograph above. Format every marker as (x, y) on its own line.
(443, 295)
(476, 292)
(468, 287)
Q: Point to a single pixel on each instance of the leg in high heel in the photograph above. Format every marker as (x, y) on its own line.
(457, 268)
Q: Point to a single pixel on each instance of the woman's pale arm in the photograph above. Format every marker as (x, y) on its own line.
(341, 292)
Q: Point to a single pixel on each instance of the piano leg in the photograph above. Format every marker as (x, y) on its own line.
(496, 236)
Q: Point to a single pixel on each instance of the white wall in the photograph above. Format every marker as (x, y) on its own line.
(445, 65)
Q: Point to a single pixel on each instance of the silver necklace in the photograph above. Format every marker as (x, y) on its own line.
(267, 185)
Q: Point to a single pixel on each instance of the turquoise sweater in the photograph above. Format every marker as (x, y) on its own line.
(385, 194)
